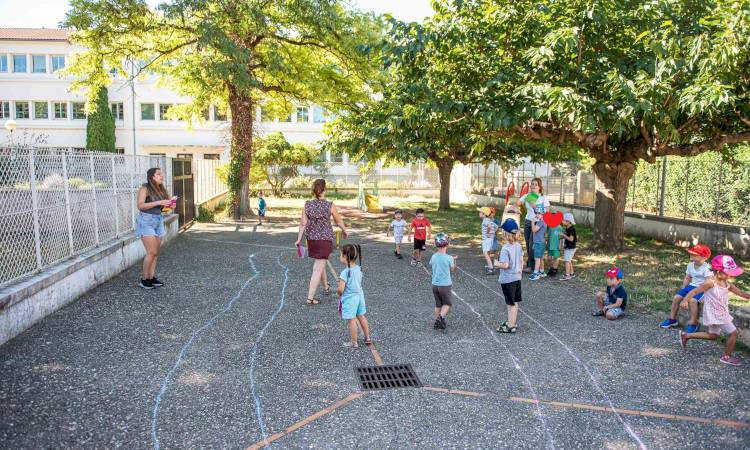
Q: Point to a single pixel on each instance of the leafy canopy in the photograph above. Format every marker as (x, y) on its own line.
(281, 160)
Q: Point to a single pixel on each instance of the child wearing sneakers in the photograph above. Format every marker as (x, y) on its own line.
(510, 264)
(614, 299)
(538, 228)
(554, 249)
(570, 238)
(421, 228)
(489, 231)
(716, 306)
(442, 285)
(351, 297)
(397, 225)
(697, 272)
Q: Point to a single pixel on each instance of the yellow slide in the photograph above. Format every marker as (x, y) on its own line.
(373, 204)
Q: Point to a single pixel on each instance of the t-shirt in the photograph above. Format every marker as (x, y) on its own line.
(513, 255)
(542, 200)
(352, 276)
(398, 227)
(261, 205)
(617, 292)
(489, 228)
(539, 235)
(571, 231)
(698, 275)
(554, 237)
(441, 269)
(420, 228)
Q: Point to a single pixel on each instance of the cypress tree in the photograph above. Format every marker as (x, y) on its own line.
(100, 127)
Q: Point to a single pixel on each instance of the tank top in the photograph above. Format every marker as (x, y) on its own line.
(156, 210)
(716, 305)
(318, 214)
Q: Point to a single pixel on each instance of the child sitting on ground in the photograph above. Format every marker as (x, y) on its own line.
(489, 230)
(261, 208)
(511, 267)
(421, 228)
(553, 249)
(697, 272)
(570, 238)
(442, 285)
(397, 225)
(538, 227)
(351, 298)
(716, 306)
(614, 299)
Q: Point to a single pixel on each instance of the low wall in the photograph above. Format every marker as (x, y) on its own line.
(213, 202)
(24, 303)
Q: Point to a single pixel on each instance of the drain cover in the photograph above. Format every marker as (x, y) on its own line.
(387, 377)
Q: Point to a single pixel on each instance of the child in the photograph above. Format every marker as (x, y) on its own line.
(496, 221)
(352, 299)
(716, 306)
(614, 299)
(421, 228)
(261, 208)
(442, 285)
(569, 245)
(397, 225)
(554, 249)
(538, 227)
(511, 267)
(698, 270)
(489, 230)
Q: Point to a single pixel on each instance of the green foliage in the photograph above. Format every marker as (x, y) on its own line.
(100, 125)
(281, 160)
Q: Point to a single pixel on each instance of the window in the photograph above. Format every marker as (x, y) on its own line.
(41, 110)
(163, 110)
(211, 156)
(303, 114)
(185, 155)
(147, 111)
(22, 110)
(117, 111)
(77, 112)
(319, 114)
(19, 63)
(219, 116)
(61, 110)
(39, 63)
(206, 114)
(4, 110)
(337, 157)
(58, 62)
(157, 154)
(3, 63)
(120, 150)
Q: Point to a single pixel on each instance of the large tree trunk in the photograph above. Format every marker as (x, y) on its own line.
(609, 218)
(243, 109)
(445, 167)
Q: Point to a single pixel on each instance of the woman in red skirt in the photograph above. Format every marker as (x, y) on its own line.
(316, 226)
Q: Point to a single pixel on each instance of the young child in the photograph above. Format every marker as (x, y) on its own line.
(538, 227)
(442, 266)
(261, 208)
(351, 298)
(554, 248)
(716, 306)
(489, 231)
(495, 243)
(614, 299)
(570, 238)
(421, 228)
(397, 225)
(511, 268)
(698, 270)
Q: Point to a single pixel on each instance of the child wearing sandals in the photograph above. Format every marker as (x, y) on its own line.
(510, 264)
(716, 306)
(352, 299)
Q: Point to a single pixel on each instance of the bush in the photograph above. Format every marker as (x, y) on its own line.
(77, 183)
(205, 214)
(300, 182)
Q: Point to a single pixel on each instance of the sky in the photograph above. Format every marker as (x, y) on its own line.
(49, 13)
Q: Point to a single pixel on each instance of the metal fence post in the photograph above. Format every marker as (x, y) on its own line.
(68, 214)
(117, 200)
(687, 185)
(133, 190)
(35, 209)
(718, 190)
(562, 187)
(663, 185)
(96, 208)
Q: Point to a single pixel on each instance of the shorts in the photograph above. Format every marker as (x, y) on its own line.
(684, 291)
(539, 250)
(443, 295)
(262, 213)
(511, 292)
(553, 253)
(717, 328)
(617, 312)
(495, 246)
(319, 249)
(397, 238)
(487, 244)
(419, 244)
(568, 254)
(149, 225)
(352, 307)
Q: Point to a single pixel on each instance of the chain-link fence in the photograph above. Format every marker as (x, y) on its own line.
(55, 204)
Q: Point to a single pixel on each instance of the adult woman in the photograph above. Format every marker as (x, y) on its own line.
(149, 224)
(316, 226)
(537, 188)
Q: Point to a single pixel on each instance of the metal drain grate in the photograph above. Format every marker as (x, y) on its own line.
(387, 377)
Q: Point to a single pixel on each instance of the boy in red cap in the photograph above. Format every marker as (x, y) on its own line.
(698, 270)
(614, 299)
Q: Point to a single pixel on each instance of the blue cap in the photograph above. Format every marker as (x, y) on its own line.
(509, 226)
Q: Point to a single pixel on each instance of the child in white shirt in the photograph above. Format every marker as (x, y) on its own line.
(397, 225)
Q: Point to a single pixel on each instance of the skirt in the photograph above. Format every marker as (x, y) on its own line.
(319, 249)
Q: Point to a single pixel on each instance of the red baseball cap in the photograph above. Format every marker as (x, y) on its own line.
(700, 250)
(614, 272)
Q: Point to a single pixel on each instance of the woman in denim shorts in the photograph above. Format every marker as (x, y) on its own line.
(149, 224)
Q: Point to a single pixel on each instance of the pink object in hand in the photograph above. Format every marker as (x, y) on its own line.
(300, 251)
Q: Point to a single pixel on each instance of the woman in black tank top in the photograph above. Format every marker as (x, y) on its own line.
(152, 197)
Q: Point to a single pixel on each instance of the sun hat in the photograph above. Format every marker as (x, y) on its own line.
(700, 250)
(539, 209)
(614, 272)
(726, 264)
(509, 226)
(568, 217)
(442, 240)
(485, 210)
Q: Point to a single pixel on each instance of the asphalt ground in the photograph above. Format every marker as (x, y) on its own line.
(228, 354)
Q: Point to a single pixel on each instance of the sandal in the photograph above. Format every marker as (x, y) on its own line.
(368, 341)
(504, 328)
(350, 345)
(598, 313)
(312, 301)
(327, 289)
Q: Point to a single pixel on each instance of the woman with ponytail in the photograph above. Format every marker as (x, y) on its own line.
(149, 223)
(351, 297)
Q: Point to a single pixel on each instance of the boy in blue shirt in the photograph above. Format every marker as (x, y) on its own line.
(538, 229)
(614, 299)
(442, 286)
(261, 208)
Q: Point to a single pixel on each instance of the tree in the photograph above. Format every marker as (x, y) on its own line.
(281, 160)
(625, 81)
(234, 54)
(100, 124)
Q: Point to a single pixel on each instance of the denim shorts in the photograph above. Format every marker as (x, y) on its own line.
(684, 292)
(149, 225)
(539, 250)
(617, 312)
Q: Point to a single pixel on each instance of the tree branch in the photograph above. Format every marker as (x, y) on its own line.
(708, 145)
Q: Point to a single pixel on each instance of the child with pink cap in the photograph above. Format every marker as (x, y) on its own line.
(716, 306)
